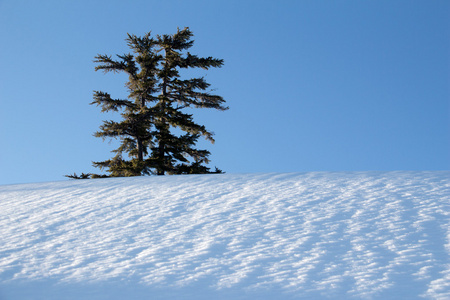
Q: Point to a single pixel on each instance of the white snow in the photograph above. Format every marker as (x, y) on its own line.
(361, 235)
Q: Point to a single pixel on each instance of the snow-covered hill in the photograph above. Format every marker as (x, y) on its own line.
(380, 235)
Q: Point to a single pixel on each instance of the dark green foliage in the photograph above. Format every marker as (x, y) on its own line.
(82, 176)
(86, 176)
(156, 105)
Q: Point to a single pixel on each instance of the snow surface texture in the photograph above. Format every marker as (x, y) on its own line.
(366, 235)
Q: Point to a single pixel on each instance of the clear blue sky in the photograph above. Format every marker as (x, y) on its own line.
(311, 85)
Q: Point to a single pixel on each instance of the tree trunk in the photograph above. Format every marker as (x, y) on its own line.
(161, 146)
(140, 149)
(161, 157)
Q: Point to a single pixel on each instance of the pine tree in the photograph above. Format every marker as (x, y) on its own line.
(134, 130)
(171, 152)
(155, 106)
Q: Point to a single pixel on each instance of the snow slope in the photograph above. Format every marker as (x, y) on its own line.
(359, 235)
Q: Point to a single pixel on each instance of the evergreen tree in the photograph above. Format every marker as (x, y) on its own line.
(134, 131)
(156, 105)
(171, 152)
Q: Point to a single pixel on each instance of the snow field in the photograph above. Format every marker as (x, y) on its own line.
(361, 235)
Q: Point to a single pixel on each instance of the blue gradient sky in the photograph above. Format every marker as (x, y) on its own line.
(311, 85)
